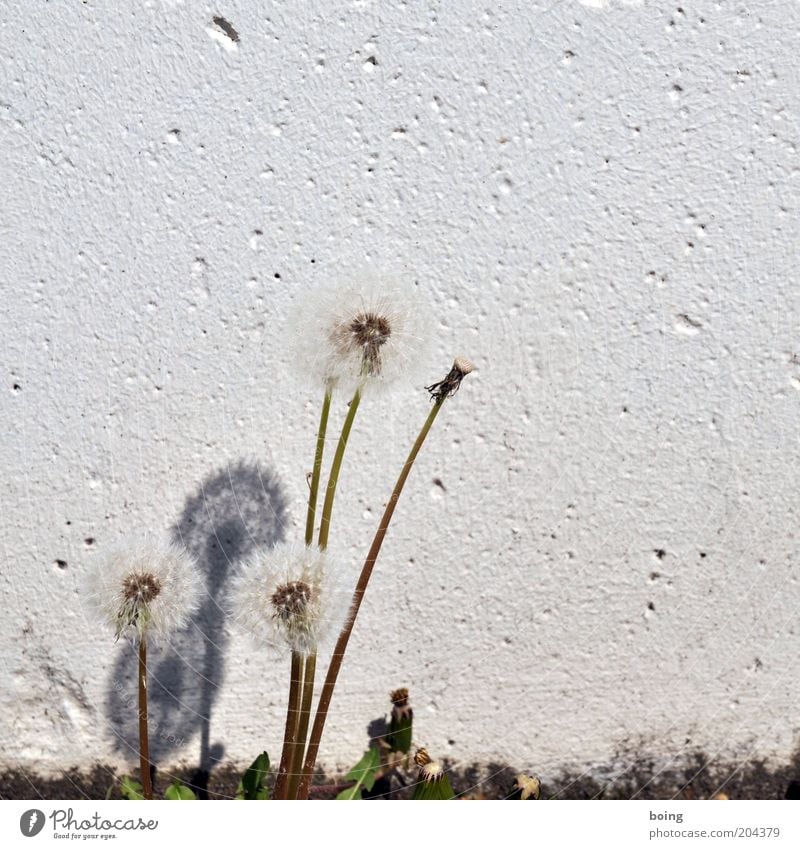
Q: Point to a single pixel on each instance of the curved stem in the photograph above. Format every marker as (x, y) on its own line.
(296, 767)
(144, 742)
(290, 730)
(317, 471)
(336, 466)
(341, 644)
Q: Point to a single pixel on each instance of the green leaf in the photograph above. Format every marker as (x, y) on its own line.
(176, 790)
(130, 788)
(254, 781)
(363, 773)
(441, 789)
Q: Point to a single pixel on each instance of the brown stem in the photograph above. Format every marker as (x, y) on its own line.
(144, 743)
(290, 731)
(302, 733)
(341, 644)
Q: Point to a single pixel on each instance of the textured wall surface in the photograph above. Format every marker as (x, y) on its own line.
(599, 202)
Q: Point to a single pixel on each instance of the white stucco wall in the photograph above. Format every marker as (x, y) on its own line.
(599, 201)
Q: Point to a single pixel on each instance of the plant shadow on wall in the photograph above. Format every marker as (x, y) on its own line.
(235, 510)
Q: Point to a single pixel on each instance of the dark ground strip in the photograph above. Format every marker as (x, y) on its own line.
(696, 778)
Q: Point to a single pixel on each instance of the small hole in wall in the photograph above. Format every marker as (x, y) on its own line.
(650, 605)
(60, 564)
(89, 542)
(226, 27)
(660, 553)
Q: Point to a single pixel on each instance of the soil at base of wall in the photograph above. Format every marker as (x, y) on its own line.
(697, 778)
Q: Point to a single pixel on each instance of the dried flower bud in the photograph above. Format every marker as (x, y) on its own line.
(449, 386)
(401, 723)
(399, 697)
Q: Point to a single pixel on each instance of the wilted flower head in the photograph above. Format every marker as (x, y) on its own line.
(360, 335)
(401, 709)
(145, 589)
(451, 383)
(430, 771)
(291, 596)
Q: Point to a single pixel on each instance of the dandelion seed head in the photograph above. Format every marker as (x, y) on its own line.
(141, 588)
(144, 589)
(291, 597)
(365, 335)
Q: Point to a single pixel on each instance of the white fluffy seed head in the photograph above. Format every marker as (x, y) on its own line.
(365, 335)
(145, 589)
(291, 597)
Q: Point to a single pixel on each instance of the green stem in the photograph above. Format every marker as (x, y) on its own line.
(333, 478)
(290, 731)
(305, 715)
(144, 743)
(341, 644)
(316, 473)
